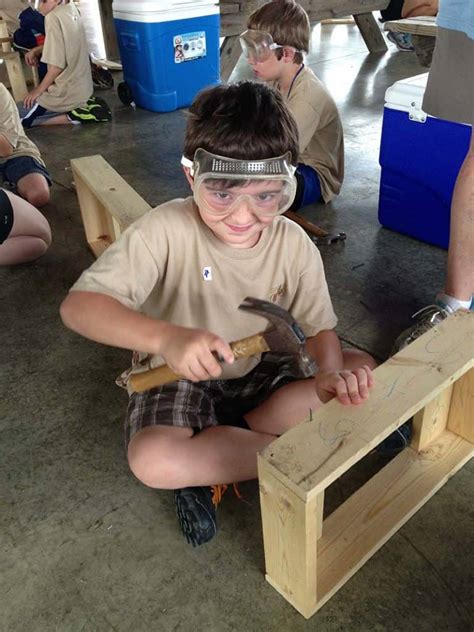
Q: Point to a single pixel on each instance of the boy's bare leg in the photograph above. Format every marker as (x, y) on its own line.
(30, 236)
(34, 188)
(61, 119)
(169, 457)
(460, 274)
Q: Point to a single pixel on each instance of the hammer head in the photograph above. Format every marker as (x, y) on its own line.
(285, 335)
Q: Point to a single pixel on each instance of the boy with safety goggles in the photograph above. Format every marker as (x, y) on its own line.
(278, 34)
(170, 288)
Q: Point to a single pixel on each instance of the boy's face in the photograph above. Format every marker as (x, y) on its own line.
(238, 215)
(45, 6)
(268, 70)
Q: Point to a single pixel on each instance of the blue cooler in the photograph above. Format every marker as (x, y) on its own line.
(420, 156)
(169, 50)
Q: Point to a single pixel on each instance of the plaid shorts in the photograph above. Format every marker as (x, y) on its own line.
(199, 405)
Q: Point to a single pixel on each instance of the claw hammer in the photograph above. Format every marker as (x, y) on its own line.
(284, 335)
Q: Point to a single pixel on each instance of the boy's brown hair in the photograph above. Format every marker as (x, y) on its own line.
(245, 120)
(288, 24)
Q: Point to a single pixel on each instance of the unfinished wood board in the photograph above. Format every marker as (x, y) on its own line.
(359, 527)
(290, 530)
(369, 29)
(435, 373)
(461, 411)
(311, 456)
(229, 54)
(108, 203)
(431, 421)
(13, 65)
(415, 26)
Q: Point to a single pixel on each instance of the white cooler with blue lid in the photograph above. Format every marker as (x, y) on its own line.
(169, 49)
(420, 156)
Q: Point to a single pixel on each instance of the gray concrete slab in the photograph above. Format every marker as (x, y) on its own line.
(86, 547)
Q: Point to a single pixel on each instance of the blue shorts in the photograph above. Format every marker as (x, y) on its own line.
(35, 115)
(308, 188)
(14, 169)
(6, 216)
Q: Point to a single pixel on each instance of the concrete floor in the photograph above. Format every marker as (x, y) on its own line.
(86, 547)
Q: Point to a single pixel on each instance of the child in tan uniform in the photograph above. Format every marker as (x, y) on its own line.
(278, 34)
(170, 288)
(21, 164)
(65, 93)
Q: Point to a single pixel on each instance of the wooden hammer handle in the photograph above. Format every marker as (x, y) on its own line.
(164, 375)
(306, 224)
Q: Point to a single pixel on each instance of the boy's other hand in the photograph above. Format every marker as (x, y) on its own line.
(350, 387)
(31, 58)
(192, 352)
(31, 97)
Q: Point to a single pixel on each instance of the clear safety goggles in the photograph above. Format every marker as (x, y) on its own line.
(222, 185)
(259, 45)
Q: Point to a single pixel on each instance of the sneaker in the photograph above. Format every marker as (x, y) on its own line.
(401, 40)
(397, 441)
(196, 511)
(196, 514)
(101, 77)
(93, 112)
(426, 318)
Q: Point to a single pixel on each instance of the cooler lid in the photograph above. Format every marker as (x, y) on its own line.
(406, 94)
(162, 10)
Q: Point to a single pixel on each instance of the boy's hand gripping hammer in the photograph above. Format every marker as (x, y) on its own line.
(284, 336)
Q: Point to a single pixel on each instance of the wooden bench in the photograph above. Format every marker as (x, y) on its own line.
(414, 26)
(308, 559)
(234, 17)
(107, 202)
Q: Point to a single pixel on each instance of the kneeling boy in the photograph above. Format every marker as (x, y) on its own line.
(170, 287)
(278, 34)
(64, 95)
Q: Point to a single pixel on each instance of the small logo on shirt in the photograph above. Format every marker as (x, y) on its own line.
(207, 273)
(276, 293)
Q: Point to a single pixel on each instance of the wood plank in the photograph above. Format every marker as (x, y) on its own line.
(431, 421)
(230, 55)
(16, 76)
(290, 536)
(312, 455)
(110, 189)
(415, 26)
(107, 202)
(371, 34)
(235, 23)
(357, 529)
(461, 413)
(108, 30)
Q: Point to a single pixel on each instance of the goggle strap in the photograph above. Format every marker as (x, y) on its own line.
(188, 163)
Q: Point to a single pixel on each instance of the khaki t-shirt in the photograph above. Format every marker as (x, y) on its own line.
(170, 266)
(320, 130)
(12, 129)
(65, 46)
(10, 10)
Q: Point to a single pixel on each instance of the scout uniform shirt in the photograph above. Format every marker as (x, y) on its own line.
(12, 129)
(169, 265)
(66, 47)
(321, 140)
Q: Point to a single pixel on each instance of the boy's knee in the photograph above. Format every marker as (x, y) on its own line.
(38, 197)
(152, 462)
